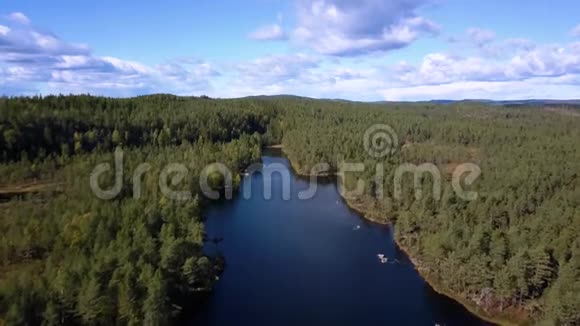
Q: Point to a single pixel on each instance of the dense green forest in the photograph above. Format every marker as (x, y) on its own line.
(68, 257)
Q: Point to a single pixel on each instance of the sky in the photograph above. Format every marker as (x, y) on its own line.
(365, 50)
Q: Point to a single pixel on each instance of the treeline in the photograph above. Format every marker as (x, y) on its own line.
(515, 250)
(37, 127)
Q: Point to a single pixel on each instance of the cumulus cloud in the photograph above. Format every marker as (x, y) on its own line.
(24, 44)
(268, 33)
(541, 61)
(32, 61)
(19, 17)
(480, 37)
(4, 30)
(439, 68)
(356, 27)
(539, 71)
(276, 69)
(548, 61)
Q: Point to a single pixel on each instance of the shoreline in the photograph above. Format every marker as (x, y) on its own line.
(506, 319)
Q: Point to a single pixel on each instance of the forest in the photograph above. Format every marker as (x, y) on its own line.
(68, 257)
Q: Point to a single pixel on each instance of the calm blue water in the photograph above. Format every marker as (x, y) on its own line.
(302, 262)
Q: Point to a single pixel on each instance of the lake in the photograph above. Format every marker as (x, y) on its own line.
(313, 262)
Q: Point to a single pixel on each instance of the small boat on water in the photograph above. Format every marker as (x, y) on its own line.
(357, 227)
(383, 259)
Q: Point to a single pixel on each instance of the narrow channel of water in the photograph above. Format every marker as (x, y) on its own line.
(313, 262)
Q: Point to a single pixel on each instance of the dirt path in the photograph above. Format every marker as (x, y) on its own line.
(30, 187)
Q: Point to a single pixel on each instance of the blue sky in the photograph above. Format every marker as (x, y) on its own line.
(352, 49)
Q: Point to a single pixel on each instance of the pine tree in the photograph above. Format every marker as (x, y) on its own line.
(504, 285)
(156, 310)
(89, 302)
(542, 270)
(116, 137)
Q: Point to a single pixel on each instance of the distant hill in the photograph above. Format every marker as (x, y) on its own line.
(533, 102)
(529, 102)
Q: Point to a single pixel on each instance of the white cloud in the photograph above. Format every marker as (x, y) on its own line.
(4, 30)
(268, 33)
(116, 77)
(575, 31)
(129, 67)
(275, 69)
(524, 63)
(305, 75)
(19, 17)
(497, 90)
(520, 44)
(26, 44)
(480, 36)
(545, 61)
(32, 60)
(539, 71)
(437, 68)
(355, 27)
